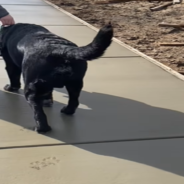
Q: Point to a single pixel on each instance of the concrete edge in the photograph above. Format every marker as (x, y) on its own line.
(164, 67)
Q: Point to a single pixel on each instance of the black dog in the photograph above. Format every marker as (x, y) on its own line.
(48, 61)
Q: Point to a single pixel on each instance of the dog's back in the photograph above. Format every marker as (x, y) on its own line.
(41, 52)
(21, 39)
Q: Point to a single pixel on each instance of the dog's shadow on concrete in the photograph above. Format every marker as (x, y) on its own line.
(109, 118)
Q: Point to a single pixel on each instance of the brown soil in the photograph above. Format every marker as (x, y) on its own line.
(136, 26)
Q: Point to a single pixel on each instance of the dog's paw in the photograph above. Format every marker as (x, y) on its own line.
(67, 111)
(42, 129)
(47, 103)
(10, 89)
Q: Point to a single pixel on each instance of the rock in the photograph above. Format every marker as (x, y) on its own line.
(151, 40)
(77, 8)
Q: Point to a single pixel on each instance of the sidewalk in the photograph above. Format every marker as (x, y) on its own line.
(129, 127)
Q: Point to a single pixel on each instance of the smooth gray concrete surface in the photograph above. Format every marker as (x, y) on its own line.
(42, 15)
(166, 155)
(122, 99)
(21, 2)
(69, 164)
(82, 35)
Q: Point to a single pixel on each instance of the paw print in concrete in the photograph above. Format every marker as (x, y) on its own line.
(46, 162)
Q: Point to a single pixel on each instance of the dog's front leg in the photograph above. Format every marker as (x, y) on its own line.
(14, 73)
(39, 115)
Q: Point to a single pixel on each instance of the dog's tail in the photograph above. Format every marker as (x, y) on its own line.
(95, 49)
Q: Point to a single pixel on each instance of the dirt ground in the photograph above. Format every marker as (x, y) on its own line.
(136, 25)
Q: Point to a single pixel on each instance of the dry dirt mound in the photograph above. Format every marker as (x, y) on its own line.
(136, 25)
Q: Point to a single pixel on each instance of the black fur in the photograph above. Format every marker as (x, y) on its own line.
(48, 61)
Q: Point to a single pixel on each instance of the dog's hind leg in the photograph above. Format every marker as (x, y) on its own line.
(36, 104)
(74, 88)
(14, 73)
(47, 100)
